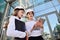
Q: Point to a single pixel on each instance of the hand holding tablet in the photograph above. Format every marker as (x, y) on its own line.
(39, 24)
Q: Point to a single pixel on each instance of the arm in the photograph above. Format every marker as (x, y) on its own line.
(37, 24)
(11, 30)
(33, 28)
(27, 36)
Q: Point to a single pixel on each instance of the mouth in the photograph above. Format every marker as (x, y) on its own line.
(21, 15)
(31, 16)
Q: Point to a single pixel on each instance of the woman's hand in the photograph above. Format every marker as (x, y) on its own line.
(39, 23)
(33, 27)
(27, 35)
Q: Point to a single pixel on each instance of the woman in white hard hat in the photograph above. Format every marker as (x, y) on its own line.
(34, 34)
(16, 27)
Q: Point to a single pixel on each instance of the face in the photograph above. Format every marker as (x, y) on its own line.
(20, 13)
(30, 15)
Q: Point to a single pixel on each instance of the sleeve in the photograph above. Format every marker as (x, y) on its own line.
(27, 30)
(11, 30)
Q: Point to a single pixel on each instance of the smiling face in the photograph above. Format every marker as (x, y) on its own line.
(20, 13)
(30, 15)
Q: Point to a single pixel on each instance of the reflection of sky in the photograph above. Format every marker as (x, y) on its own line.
(16, 3)
(2, 5)
(53, 21)
(46, 29)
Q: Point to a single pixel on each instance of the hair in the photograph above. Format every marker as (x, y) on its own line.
(14, 14)
(16, 11)
(28, 13)
(32, 13)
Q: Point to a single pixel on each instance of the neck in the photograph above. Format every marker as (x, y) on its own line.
(30, 18)
(19, 17)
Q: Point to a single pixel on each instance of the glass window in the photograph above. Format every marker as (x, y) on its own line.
(53, 20)
(2, 9)
(16, 3)
(2, 6)
(11, 11)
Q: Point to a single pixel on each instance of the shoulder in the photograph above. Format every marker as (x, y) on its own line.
(30, 22)
(11, 18)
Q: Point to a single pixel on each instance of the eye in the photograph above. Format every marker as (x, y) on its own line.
(29, 13)
(22, 12)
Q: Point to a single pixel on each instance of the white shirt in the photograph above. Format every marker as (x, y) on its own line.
(34, 33)
(11, 29)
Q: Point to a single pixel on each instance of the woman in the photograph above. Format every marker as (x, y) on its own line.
(16, 27)
(35, 32)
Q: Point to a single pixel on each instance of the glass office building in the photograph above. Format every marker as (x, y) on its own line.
(47, 9)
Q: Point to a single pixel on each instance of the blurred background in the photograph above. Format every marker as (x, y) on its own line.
(47, 9)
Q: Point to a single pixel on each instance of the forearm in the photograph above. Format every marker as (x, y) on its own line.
(16, 34)
(27, 36)
(33, 28)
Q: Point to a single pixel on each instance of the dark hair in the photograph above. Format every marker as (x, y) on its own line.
(17, 10)
(32, 13)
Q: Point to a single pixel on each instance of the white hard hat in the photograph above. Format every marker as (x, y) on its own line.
(19, 7)
(29, 10)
